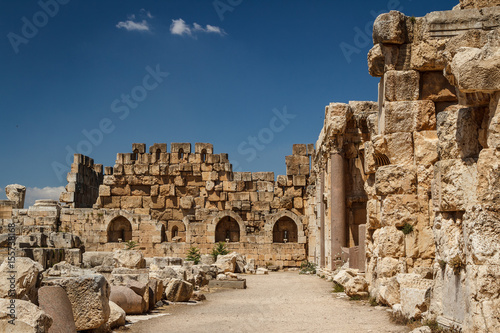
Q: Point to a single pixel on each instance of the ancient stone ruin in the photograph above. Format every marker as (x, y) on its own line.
(398, 200)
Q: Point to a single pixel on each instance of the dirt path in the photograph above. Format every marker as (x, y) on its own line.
(279, 302)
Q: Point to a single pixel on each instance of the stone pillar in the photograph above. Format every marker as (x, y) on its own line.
(361, 244)
(337, 208)
(16, 193)
(321, 212)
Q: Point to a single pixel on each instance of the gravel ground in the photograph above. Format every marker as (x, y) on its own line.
(278, 302)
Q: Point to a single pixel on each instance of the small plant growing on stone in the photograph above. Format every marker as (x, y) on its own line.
(413, 19)
(219, 249)
(457, 264)
(442, 264)
(372, 301)
(129, 245)
(194, 255)
(407, 228)
(338, 288)
(307, 267)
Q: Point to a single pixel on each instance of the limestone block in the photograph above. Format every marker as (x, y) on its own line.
(409, 116)
(425, 55)
(89, 298)
(426, 243)
(388, 242)
(465, 4)
(373, 211)
(481, 230)
(400, 209)
(448, 236)
(120, 190)
(488, 169)
(226, 263)
(178, 291)
(454, 186)
(425, 147)
(55, 302)
(336, 117)
(387, 267)
(388, 291)
(401, 85)
(299, 149)
(16, 193)
(130, 202)
(395, 179)
(389, 28)
(29, 317)
(457, 130)
(357, 286)
(110, 202)
(129, 259)
(64, 240)
(97, 258)
(299, 180)
(493, 123)
(25, 280)
(128, 300)
(343, 277)
(376, 61)
(104, 191)
(415, 294)
(399, 148)
(116, 315)
(437, 88)
(187, 202)
(476, 70)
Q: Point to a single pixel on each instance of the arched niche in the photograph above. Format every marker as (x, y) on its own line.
(119, 229)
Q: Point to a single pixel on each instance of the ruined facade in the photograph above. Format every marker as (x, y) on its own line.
(428, 155)
(167, 202)
(406, 189)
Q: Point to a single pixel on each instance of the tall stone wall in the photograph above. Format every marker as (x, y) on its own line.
(430, 168)
(84, 180)
(169, 201)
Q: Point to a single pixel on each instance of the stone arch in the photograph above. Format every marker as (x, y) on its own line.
(212, 226)
(273, 218)
(177, 231)
(227, 230)
(285, 231)
(118, 229)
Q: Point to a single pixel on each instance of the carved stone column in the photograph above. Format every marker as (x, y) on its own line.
(337, 208)
(321, 212)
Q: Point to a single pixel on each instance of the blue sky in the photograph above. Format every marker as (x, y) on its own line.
(251, 77)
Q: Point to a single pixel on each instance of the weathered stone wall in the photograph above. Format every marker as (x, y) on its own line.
(84, 179)
(430, 170)
(168, 202)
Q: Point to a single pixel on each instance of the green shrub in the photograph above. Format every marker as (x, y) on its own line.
(129, 245)
(307, 266)
(219, 249)
(373, 301)
(194, 255)
(407, 228)
(338, 288)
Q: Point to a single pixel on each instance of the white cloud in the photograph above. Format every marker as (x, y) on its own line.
(130, 25)
(35, 193)
(179, 27)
